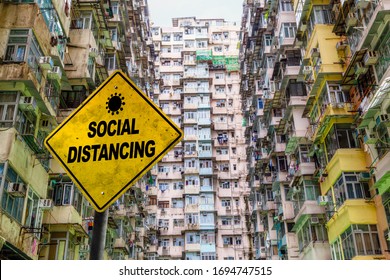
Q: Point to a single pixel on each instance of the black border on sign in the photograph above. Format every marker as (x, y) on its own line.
(77, 110)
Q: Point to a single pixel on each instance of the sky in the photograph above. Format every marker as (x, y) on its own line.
(162, 11)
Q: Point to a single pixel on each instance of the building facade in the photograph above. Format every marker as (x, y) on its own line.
(315, 86)
(200, 197)
(52, 56)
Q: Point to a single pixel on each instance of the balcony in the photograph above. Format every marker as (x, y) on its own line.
(191, 189)
(205, 154)
(204, 121)
(191, 170)
(208, 248)
(330, 115)
(206, 189)
(207, 207)
(190, 106)
(344, 160)
(192, 208)
(192, 247)
(169, 175)
(205, 171)
(307, 207)
(61, 215)
(120, 244)
(219, 110)
(353, 211)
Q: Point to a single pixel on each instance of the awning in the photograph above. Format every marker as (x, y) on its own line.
(292, 144)
(383, 184)
(11, 252)
(300, 222)
(376, 102)
(349, 74)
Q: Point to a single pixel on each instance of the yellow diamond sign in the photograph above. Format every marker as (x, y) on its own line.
(112, 139)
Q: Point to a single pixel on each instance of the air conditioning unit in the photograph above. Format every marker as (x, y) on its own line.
(382, 118)
(27, 103)
(360, 68)
(46, 125)
(362, 4)
(307, 70)
(315, 52)
(351, 20)
(228, 208)
(364, 176)
(93, 52)
(46, 62)
(341, 45)
(16, 189)
(370, 139)
(323, 200)
(314, 220)
(370, 58)
(45, 204)
(283, 57)
(303, 27)
(55, 73)
(296, 189)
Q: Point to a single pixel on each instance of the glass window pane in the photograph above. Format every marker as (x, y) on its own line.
(359, 244)
(367, 242)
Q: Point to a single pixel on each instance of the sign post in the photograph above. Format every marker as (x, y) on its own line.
(111, 140)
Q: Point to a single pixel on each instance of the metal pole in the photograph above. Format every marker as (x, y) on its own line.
(99, 235)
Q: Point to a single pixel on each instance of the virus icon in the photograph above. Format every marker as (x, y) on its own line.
(114, 103)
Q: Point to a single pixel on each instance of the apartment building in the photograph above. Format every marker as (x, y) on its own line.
(199, 201)
(315, 92)
(52, 56)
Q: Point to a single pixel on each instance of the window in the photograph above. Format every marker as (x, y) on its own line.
(23, 45)
(10, 204)
(349, 187)
(67, 194)
(177, 203)
(225, 202)
(192, 238)
(178, 222)
(115, 8)
(357, 240)
(340, 136)
(192, 199)
(224, 185)
(84, 21)
(208, 256)
(286, 6)
(335, 95)
(226, 221)
(33, 214)
(295, 88)
(260, 103)
(289, 29)
(192, 218)
(110, 61)
(17, 45)
(268, 39)
(178, 241)
(219, 76)
(312, 192)
(207, 217)
(282, 163)
(8, 108)
(163, 187)
(163, 204)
